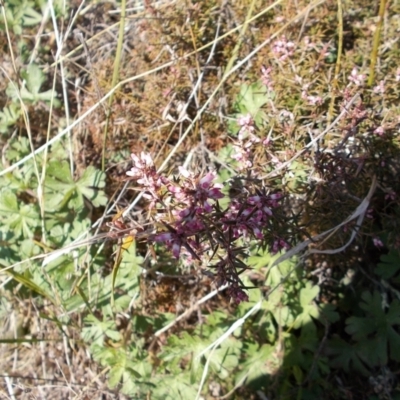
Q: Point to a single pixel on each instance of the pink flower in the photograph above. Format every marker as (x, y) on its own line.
(266, 77)
(237, 294)
(242, 155)
(283, 49)
(380, 89)
(172, 241)
(145, 173)
(246, 124)
(266, 142)
(265, 202)
(285, 114)
(398, 75)
(197, 191)
(177, 192)
(377, 242)
(205, 181)
(185, 173)
(278, 245)
(206, 190)
(356, 78)
(312, 100)
(379, 131)
(307, 41)
(390, 196)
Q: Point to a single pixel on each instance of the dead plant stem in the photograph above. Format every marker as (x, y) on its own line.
(114, 80)
(375, 46)
(337, 66)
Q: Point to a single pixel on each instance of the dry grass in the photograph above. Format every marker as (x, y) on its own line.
(45, 361)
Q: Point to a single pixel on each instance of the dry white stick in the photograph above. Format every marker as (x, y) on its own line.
(358, 214)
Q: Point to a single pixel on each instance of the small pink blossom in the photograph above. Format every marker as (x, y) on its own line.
(356, 78)
(266, 77)
(177, 192)
(185, 173)
(278, 245)
(246, 124)
(285, 114)
(171, 240)
(307, 41)
(237, 294)
(398, 75)
(314, 100)
(242, 155)
(205, 181)
(145, 173)
(140, 164)
(266, 142)
(380, 89)
(390, 196)
(206, 189)
(283, 48)
(378, 242)
(379, 131)
(197, 190)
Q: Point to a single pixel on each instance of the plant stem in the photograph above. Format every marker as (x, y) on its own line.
(115, 78)
(377, 37)
(337, 67)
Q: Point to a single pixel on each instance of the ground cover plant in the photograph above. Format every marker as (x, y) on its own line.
(199, 200)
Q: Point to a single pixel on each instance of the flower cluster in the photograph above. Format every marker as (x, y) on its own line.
(311, 99)
(249, 217)
(266, 78)
(192, 225)
(144, 172)
(283, 48)
(191, 201)
(356, 78)
(246, 140)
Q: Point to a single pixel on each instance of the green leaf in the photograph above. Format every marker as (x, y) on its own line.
(31, 17)
(22, 219)
(328, 312)
(260, 259)
(300, 349)
(176, 387)
(30, 284)
(256, 364)
(30, 91)
(96, 330)
(89, 184)
(60, 183)
(34, 78)
(9, 116)
(308, 294)
(394, 344)
(377, 330)
(344, 355)
(8, 202)
(359, 327)
(389, 264)
(309, 309)
(250, 100)
(19, 148)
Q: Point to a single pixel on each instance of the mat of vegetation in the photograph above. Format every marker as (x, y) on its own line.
(199, 199)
